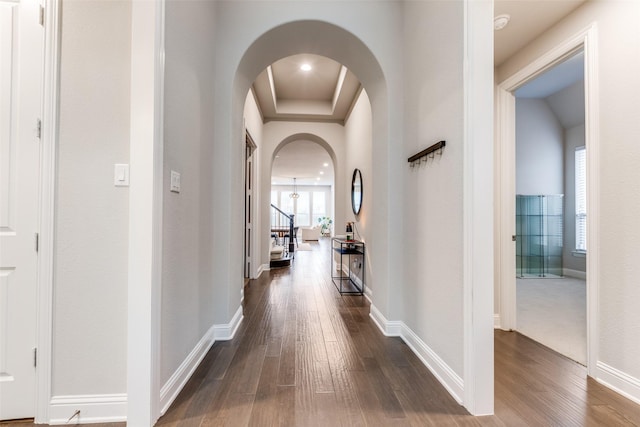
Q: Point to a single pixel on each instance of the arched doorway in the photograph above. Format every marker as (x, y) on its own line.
(329, 40)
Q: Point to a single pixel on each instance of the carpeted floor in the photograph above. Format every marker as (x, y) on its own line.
(553, 312)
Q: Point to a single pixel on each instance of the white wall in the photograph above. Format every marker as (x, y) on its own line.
(619, 130)
(539, 149)
(188, 244)
(91, 245)
(432, 234)
(358, 145)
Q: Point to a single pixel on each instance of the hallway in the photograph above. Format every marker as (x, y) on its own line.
(305, 356)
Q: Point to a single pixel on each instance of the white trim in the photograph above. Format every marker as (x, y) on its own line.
(574, 273)
(387, 327)
(478, 216)
(496, 321)
(145, 212)
(226, 331)
(262, 268)
(48, 149)
(438, 367)
(592, 143)
(505, 206)
(618, 381)
(176, 383)
(368, 294)
(104, 408)
(505, 146)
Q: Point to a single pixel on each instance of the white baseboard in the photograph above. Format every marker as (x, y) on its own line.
(174, 385)
(226, 331)
(262, 268)
(98, 408)
(496, 321)
(387, 327)
(368, 294)
(618, 381)
(447, 376)
(574, 273)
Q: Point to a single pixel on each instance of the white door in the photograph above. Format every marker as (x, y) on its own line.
(21, 66)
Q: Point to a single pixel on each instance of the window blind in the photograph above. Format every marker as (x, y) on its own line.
(581, 198)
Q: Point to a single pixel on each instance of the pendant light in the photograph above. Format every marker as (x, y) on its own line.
(295, 194)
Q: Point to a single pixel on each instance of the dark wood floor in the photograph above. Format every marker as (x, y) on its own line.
(306, 356)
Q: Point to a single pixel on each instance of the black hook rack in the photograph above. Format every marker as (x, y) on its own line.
(435, 147)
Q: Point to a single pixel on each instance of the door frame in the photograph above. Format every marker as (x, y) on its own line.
(505, 181)
(47, 196)
(249, 171)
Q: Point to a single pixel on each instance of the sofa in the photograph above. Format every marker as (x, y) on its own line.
(310, 233)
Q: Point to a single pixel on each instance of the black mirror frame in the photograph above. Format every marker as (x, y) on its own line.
(357, 175)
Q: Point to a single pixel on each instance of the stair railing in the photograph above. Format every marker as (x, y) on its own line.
(280, 221)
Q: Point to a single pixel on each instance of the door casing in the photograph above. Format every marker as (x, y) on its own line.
(505, 181)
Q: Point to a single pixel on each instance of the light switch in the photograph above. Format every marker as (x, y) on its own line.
(175, 182)
(121, 175)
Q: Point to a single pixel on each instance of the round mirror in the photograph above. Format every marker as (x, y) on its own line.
(356, 191)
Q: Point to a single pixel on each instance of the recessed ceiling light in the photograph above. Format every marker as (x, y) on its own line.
(305, 67)
(501, 21)
(318, 179)
(321, 172)
(325, 164)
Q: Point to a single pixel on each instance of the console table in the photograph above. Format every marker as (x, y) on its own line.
(345, 280)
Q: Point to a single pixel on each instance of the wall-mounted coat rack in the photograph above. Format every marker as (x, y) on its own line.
(430, 152)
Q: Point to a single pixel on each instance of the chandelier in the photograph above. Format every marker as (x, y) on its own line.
(295, 194)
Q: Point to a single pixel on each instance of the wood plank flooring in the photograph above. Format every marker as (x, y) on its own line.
(306, 356)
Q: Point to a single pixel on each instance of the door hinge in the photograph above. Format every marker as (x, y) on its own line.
(41, 17)
(513, 238)
(37, 241)
(39, 129)
(35, 357)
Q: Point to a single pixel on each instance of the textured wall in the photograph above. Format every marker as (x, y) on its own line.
(90, 283)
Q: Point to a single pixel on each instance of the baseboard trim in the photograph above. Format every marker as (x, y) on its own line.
(438, 367)
(574, 273)
(261, 269)
(496, 321)
(618, 381)
(175, 384)
(368, 294)
(227, 331)
(96, 408)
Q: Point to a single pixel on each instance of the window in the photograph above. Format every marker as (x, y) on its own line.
(307, 208)
(302, 209)
(319, 207)
(581, 199)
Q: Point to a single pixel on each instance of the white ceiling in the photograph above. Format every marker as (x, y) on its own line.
(305, 161)
(324, 93)
(555, 79)
(529, 19)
